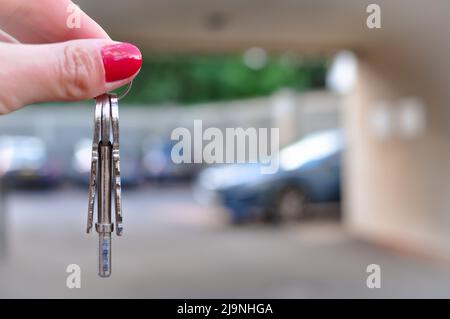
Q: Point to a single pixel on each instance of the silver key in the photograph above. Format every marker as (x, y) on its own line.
(105, 174)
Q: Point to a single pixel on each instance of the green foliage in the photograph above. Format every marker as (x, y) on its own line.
(188, 79)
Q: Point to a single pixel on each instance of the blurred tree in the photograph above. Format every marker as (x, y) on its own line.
(188, 79)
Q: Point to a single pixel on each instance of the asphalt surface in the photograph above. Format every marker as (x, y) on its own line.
(175, 248)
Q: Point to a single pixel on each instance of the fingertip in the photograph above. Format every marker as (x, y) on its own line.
(121, 61)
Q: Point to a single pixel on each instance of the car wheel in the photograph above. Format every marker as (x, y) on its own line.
(290, 205)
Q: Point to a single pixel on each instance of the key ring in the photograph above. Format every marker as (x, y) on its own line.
(127, 90)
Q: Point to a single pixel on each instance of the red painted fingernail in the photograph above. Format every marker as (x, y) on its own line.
(120, 61)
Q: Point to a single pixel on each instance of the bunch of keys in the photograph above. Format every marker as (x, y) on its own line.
(105, 177)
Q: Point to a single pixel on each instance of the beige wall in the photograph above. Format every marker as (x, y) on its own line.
(397, 189)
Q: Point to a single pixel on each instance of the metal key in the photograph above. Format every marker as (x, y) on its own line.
(105, 174)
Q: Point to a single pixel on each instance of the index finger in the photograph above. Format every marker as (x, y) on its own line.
(47, 21)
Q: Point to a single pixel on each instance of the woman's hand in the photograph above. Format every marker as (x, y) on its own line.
(43, 58)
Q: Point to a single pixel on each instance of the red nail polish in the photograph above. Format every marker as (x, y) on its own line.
(120, 61)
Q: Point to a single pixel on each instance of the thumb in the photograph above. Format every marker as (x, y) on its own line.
(68, 71)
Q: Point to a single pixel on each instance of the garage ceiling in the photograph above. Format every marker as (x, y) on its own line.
(199, 25)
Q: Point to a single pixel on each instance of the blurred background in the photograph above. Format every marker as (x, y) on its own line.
(364, 157)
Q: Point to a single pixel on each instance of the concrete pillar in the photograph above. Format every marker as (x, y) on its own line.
(397, 189)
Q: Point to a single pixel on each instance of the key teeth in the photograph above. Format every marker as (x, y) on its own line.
(119, 227)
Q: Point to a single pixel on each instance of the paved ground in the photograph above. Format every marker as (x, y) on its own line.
(174, 248)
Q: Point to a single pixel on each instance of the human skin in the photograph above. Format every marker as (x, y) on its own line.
(43, 59)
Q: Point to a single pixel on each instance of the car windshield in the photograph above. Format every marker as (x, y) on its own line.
(313, 147)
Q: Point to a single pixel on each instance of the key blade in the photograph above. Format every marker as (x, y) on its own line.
(117, 184)
(94, 162)
(92, 190)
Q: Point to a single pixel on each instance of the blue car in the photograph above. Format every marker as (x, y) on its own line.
(130, 166)
(309, 172)
(25, 162)
(158, 165)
